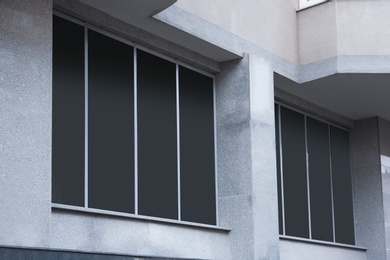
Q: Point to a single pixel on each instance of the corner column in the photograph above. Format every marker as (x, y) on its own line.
(384, 144)
(367, 188)
(246, 158)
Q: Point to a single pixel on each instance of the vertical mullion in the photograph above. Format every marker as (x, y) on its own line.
(352, 190)
(307, 179)
(281, 166)
(215, 154)
(86, 117)
(178, 142)
(135, 134)
(331, 185)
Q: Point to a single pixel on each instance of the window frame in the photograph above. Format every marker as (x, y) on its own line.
(87, 26)
(330, 124)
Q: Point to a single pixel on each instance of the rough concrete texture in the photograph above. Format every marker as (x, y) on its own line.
(268, 24)
(384, 140)
(246, 158)
(317, 33)
(109, 234)
(362, 27)
(25, 121)
(296, 250)
(367, 188)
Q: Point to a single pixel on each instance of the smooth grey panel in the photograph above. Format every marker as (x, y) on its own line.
(68, 113)
(280, 205)
(342, 186)
(320, 180)
(197, 165)
(157, 139)
(294, 173)
(110, 124)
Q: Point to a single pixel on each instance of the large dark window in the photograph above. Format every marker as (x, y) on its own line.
(314, 178)
(132, 132)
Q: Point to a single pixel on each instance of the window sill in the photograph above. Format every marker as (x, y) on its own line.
(56, 206)
(319, 242)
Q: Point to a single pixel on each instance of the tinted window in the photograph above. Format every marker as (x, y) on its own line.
(320, 180)
(157, 139)
(197, 164)
(294, 173)
(68, 113)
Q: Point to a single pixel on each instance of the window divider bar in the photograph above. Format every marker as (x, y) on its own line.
(352, 188)
(215, 152)
(331, 185)
(135, 132)
(307, 179)
(86, 117)
(178, 142)
(281, 165)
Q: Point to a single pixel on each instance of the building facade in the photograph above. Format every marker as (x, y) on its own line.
(164, 129)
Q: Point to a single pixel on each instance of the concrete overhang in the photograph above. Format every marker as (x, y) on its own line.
(140, 13)
(353, 95)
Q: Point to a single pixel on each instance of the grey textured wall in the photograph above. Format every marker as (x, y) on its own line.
(366, 167)
(247, 161)
(272, 25)
(298, 250)
(25, 121)
(384, 142)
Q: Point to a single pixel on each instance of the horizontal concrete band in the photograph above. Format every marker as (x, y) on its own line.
(14, 253)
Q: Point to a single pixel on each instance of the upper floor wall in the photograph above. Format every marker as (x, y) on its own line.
(269, 24)
(337, 36)
(340, 28)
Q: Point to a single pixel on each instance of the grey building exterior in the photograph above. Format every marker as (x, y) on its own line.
(328, 63)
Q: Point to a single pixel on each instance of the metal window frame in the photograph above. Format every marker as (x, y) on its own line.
(177, 63)
(329, 124)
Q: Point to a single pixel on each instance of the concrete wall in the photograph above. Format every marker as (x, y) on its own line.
(362, 27)
(246, 158)
(317, 33)
(25, 121)
(367, 188)
(270, 24)
(384, 141)
(343, 28)
(297, 250)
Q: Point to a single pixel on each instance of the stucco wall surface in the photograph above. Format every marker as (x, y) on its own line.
(384, 141)
(295, 250)
(343, 28)
(270, 24)
(25, 121)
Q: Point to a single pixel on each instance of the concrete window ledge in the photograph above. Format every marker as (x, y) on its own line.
(318, 242)
(59, 207)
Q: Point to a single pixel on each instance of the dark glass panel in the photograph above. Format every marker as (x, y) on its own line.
(197, 166)
(157, 140)
(342, 187)
(111, 124)
(68, 113)
(294, 174)
(280, 206)
(320, 180)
